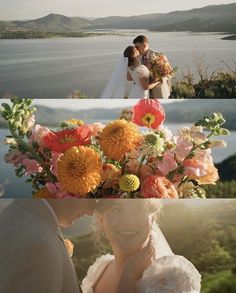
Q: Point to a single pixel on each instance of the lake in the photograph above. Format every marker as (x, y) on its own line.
(54, 68)
(17, 188)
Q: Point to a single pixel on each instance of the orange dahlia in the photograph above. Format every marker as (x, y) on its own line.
(79, 170)
(118, 138)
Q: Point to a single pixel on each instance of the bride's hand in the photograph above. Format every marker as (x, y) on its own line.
(135, 266)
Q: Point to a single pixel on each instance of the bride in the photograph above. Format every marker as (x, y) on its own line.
(141, 253)
(129, 69)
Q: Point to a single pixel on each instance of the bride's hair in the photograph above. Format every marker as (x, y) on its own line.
(150, 207)
(129, 53)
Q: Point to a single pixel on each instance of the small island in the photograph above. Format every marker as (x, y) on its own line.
(230, 38)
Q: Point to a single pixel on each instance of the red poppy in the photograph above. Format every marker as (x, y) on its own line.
(148, 112)
(61, 141)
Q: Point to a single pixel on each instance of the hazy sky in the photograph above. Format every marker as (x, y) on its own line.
(76, 104)
(28, 9)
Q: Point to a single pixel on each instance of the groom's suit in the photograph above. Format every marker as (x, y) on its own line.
(33, 257)
(159, 91)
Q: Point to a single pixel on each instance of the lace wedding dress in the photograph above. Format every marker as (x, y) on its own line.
(136, 91)
(167, 274)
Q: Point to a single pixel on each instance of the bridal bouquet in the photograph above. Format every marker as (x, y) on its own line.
(159, 67)
(114, 160)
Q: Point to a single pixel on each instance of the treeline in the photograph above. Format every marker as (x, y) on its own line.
(26, 34)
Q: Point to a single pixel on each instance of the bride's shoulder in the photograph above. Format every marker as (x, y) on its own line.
(95, 270)
(142, 70)
(173, 272)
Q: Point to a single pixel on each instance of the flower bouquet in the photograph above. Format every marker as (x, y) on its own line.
(115, 160)
(159, 67)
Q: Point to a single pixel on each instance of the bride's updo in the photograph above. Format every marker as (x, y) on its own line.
(129, 53)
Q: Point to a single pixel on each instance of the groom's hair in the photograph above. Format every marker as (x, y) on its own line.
(140, 39)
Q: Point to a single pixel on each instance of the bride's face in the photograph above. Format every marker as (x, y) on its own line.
(127, 226)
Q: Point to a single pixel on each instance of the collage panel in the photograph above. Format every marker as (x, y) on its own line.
(117, 146)
(121, 149)
(183, 49)
(132, 245)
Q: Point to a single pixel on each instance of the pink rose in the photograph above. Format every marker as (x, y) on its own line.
(167, 164)
(31, 166)
(15, 158)
(95, 128)
(38, 133)
(183, 148)
(201, 168)
(55, 158)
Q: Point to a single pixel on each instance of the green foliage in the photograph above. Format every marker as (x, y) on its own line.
(223, 282)
(226, 189)
(221, 85)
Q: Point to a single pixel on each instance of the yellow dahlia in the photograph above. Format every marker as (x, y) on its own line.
(129, 183)
(118, 138)
(79, 170)
(42, 193)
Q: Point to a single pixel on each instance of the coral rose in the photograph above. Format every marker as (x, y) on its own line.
(148, 112)
(159, 187)
(201, 168)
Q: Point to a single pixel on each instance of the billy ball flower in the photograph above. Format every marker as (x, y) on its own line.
(79, 170)
(149, 113)
(129, 183)
(118, 138)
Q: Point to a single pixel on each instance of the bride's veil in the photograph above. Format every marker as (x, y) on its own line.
(116, 86)
(162, 248)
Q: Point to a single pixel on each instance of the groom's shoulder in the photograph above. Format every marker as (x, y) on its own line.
(16, 221)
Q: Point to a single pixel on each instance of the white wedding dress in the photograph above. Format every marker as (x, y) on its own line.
(136, 91)
(167, 274)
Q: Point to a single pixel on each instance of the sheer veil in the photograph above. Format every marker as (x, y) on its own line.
(162, 248)
(116, 86)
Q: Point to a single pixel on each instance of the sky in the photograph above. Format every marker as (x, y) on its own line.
(77, 104)
(30, 9)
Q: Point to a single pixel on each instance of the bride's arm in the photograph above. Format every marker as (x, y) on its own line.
(129, 77)
(144, 81)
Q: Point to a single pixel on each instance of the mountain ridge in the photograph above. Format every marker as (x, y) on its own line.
(212, 18)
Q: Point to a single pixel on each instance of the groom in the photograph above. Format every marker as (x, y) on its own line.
(141, 43)
(33, 256)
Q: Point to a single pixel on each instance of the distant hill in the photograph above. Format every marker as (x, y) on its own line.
(54, 22)
(227, 168)
(177, 112)
(213, 18)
